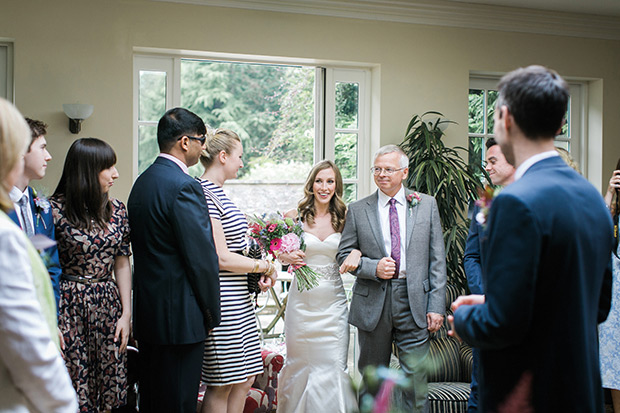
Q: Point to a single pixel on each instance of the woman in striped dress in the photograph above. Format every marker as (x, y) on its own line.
(232, 356)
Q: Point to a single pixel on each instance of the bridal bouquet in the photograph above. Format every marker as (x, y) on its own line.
(278, 235)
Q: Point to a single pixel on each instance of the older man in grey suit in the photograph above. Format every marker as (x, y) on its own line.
(399, 294)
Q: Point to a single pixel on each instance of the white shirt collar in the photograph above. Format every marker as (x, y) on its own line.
(399, 197)
(15, 194)
(175, 160)
(532, 160)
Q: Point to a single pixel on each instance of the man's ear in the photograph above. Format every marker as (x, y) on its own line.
(184, 143)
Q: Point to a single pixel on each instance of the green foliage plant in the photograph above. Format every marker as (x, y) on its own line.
(440, 171)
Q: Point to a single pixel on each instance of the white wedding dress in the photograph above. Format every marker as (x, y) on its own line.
(314, 378)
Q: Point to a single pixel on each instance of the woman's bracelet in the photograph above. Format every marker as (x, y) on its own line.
(256, 265)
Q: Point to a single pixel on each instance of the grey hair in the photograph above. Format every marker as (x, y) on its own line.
(384, 150)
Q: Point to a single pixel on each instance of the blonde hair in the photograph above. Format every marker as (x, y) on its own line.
(218, 140)
(14, 140)
(564, 154)
(337, 207)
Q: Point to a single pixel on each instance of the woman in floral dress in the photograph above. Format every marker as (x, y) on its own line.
(92, 232)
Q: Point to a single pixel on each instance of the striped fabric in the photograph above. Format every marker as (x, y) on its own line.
(450, 367)
(448, 397)
(221, 208)
(232, 350)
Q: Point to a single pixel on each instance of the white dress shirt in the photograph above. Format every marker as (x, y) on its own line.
(15, 196)
(383, 204)
(175, 160)
(532, 160)
(33, 376)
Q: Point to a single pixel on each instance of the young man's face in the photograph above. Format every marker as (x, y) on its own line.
(36, 159)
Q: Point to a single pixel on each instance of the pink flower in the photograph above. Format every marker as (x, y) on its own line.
(290, 243)
(275, 245)
(272, 227)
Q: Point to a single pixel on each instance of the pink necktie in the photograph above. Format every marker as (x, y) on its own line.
(395, 236)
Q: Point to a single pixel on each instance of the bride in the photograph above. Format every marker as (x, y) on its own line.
(315, 377)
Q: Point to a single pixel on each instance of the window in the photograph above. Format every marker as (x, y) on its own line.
(6, 70)
(482, 96)
(288, 117)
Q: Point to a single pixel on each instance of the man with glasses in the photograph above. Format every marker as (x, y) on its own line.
(176, 283)
(501, 173)
(399, 294)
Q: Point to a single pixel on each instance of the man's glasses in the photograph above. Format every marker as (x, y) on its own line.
(200, 139)
(386, 171)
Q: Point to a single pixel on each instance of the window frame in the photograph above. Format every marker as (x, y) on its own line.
(327, 75)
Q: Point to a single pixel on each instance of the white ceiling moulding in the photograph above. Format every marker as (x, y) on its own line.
(441, 13)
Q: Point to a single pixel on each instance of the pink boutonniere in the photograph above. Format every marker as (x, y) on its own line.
(41, 206)
(484, 203)
(413, 199)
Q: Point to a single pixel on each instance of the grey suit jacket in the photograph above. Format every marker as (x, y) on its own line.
(426, 261)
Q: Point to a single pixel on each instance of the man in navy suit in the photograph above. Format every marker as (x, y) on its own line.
(33, 213)
(501, 174)
(176, 284)
(546, 245)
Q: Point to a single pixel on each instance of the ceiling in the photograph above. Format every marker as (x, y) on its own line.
(601, 7)
(578, 18)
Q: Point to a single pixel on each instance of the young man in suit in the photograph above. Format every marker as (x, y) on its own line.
(399, 294)
(33, 212)
(176, 283)
(501, 174)
(547, 244)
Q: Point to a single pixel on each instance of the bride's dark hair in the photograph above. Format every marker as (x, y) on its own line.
(337, 207)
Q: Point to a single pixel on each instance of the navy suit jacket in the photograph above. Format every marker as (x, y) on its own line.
(471, 257)
(176, 291)
(44, 224)
(547, 246)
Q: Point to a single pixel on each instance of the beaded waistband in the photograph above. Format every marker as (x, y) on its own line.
(83, 280)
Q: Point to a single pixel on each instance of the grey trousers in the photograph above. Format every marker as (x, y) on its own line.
(396, 325)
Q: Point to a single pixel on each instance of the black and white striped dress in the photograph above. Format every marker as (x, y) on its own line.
(232, 350)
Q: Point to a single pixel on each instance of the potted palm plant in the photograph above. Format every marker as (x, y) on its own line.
(440, 171)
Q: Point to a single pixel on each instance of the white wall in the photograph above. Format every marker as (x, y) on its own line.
(81, 51)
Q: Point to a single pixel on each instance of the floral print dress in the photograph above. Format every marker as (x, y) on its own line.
(89, 312)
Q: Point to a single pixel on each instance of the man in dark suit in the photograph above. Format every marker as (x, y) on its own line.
(399, 294)
(501, 174)
(33, 212)
(176, 285)
(547, 244)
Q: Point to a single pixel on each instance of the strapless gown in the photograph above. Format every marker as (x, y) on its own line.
(315, 378)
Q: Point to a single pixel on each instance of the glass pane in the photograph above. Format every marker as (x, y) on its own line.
(346, 154)
(476, 111)
(562, 144)
(491, 99)
(347, 104)
(565, 131)
(476, 154)
(152, 97)
(147, 146)
(350, 193)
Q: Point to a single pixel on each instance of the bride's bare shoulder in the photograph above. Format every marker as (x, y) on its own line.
(291, 213)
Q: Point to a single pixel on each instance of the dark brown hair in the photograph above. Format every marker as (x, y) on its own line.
(85, 202)
(37, 128)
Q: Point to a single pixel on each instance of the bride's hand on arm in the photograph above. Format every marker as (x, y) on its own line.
(351, 262)
(294, 258)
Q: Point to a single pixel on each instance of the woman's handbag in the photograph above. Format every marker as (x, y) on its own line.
(253, 277)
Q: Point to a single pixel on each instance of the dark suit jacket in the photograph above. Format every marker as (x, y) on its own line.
(547, 246)
(471, 257)
(44, 224)
(176, 292)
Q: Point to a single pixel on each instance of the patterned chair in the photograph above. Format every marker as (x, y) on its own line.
(262, 397)
(450, 367)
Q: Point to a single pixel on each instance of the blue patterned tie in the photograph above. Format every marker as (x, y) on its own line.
(24, 211)
(395, 235)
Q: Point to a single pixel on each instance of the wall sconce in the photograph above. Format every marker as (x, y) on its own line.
(76, 113)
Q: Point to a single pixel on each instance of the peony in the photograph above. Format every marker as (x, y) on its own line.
(290, 243)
